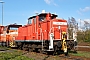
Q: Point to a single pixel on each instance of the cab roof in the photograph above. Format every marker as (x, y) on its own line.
(43, 14)
(14, 25)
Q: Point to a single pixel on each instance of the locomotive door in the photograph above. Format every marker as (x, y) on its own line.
(39, 34)
(57, 33)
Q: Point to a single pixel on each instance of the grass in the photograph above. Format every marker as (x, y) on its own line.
(87, 41)
(4, 48)
(82, 54)
(18, 55)
(13, 55)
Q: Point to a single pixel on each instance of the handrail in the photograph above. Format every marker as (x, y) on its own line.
(41, 36)
(53, 31)
(40, 33)
(42, 41)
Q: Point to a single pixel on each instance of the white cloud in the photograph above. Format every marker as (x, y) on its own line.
(81, 10)
(48, 1)
(88, 20)
(51, 2)
(55, 4)
(81, 23)
(79, 13)
(85, 9)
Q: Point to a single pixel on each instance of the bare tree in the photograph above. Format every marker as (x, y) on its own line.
(72, 27)
(87, 30)
(87, 25)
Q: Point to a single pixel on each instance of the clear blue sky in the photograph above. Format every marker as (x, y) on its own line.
(18, 11)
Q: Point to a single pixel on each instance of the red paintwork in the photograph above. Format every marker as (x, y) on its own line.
(1, 32)
(31, 31)
(1, 29)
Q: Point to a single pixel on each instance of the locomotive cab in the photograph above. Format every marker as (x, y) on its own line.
(46, 16)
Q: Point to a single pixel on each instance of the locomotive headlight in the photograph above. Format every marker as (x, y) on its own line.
(58, 27)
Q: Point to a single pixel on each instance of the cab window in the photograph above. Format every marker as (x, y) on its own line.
(42, 18)
(34, 20)
(13, 28)
(30, 21)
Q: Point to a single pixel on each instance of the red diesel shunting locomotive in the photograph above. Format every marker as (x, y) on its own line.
(44, 32)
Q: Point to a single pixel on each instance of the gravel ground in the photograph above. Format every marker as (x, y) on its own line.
(38, 56)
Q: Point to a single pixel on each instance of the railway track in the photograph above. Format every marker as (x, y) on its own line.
(83, 46)
(39, 56)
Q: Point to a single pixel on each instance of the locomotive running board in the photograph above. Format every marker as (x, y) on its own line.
(51, 41)
(28, 40)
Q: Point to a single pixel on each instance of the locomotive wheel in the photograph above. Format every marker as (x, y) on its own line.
(24, 47)
(40, 50)
(55, 50)
(33, 47)
(20, 47)
(30, 48)
(70, 45)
